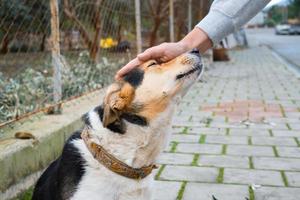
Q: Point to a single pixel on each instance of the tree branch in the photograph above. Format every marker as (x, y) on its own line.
(69, 12)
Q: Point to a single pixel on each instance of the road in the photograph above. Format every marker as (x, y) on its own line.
(288, 46)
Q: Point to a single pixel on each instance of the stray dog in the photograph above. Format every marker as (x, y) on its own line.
(113, 156)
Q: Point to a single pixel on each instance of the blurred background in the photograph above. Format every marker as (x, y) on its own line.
(56, 55)
(95, 38)
(92, 40)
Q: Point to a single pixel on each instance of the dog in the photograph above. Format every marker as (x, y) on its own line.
(112, 157)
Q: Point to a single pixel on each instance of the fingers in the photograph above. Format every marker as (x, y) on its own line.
(128, 67)
(152, 53)
(156, 53)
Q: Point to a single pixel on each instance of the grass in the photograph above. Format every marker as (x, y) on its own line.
(195, 160)
(159, 172)
(226, 119)
(251, 165)
(224, 149)
(288, 126)
(220, 176)
(271, 132)
(282, 111)
(185, 130)
(297, 141)
(249, 140)
(227, 131)
(202, 139)
(173, 148)
(181, 191)
(251, 193)
(275, 151)
(285, 181)
(27, 195)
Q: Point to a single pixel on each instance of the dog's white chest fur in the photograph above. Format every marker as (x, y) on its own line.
(136, 148)
(100, 183)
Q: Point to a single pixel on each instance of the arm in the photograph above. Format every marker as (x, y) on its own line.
(224, 17)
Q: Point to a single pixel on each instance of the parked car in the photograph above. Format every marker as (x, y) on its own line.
(282, 29)
(295, 29)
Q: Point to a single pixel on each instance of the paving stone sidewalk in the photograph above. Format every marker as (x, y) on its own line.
(236, 135)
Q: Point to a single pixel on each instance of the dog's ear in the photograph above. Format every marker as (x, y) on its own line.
(117, 102)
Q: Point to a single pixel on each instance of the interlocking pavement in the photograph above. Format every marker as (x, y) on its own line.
(236, 134)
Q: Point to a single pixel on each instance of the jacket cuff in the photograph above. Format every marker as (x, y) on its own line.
(216, 25)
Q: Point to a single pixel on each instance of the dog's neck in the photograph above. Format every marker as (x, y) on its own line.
(139, 145)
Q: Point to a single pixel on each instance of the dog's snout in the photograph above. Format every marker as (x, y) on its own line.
(195, 51)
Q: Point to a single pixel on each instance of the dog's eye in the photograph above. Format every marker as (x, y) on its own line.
(152, 64)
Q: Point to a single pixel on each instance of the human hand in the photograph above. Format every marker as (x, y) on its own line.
(161, 53)
(164, 52)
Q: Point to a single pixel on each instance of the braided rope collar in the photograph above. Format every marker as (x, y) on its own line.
(112, 163)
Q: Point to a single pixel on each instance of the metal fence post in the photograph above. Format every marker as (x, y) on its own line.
(138, 26)
(55, 49)
(171, 20)
(190, 15)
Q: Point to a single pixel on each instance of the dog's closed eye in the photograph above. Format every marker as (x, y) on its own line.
(152, 64)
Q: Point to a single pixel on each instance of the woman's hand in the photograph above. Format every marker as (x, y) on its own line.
(161, 53)
(167, 51)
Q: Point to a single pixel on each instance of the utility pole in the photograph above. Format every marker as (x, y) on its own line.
(190, 15)
(171, 20)
(138, 26)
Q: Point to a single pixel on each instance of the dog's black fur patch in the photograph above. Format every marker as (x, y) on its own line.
(135, 119)
(119, 126)
(61, 178)
(134, 77)
(85, 118)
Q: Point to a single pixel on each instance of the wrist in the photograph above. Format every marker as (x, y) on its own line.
(197, 38)
(184, 45)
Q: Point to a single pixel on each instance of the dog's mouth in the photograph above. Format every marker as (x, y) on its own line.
(196, 68)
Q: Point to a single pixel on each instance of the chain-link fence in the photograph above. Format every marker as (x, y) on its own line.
(94, 39)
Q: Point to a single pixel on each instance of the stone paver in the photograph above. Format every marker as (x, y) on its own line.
(293, 178)
(277, 193)
(184, 173)
(249, 132)
(289, 152)
(245, 176)
(199, 148)
(217, 139)
(175, 158)
(200, 191)
(278, 141)
(276, 163)
(224, 161)
(185, 138)
(236, 135)
(247, 150)
(166, 190)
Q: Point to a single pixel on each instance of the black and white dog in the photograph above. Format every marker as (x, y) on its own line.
(132, 124)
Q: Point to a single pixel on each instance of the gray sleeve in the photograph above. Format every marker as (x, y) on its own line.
(227, 16)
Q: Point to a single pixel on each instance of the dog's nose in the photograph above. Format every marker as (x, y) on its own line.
(195, 51)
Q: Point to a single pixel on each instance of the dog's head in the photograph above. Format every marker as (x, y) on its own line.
(148, 90)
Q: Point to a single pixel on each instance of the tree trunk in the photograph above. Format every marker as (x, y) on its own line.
(204, 8)
(179, 30)
(97, 24)
(119, 34)
(42, 45)
(5, 43)
(153, 34)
